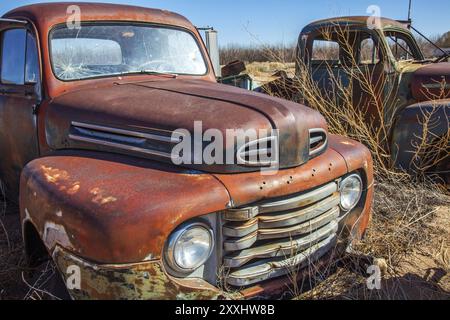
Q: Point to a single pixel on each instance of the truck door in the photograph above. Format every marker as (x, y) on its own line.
(20, 94)
(325, 63)
(369, 82)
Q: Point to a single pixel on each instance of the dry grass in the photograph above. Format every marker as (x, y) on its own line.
(12, 262)
(17, 280)
(405, 235)
(255, 53)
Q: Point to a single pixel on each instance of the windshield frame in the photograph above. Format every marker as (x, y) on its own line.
(128, 23)
(410, 40)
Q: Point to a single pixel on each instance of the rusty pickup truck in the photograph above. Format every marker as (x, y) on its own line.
(396, 86)
(88, 109)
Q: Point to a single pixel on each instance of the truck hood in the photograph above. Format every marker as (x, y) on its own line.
(431, 82)
(139, 118)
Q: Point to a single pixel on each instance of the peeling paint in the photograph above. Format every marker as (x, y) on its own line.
(27, 215)
(150, 257)
(55, 234)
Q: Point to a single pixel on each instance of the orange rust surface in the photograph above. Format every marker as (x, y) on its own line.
(343, 155)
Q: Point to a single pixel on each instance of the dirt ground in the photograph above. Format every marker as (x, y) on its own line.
(422, 274)
(12, 262)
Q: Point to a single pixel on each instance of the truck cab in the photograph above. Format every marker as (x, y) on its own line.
(90, 116)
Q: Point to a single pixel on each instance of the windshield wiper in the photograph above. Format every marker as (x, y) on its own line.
(151, 72)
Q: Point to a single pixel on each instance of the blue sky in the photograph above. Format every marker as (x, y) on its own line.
(280, 21)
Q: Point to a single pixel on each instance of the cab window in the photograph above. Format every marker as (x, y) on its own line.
(19, 58)
(325, 51)
(32, 60)
(401, 46)
(13, 56)
(368, 52)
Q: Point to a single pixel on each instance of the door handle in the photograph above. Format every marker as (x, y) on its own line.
(35, 108)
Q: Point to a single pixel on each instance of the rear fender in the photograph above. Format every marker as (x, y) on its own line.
(408, 132)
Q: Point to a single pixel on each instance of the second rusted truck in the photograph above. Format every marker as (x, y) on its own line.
(377, 64)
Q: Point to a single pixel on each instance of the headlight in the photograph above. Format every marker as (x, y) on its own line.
(351, 190)
(189, 247)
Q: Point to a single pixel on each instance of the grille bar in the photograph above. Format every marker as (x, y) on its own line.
(277, 233)
(289, 203)
(125, 140)
(277, 220)
(281, 248)
(318, 141)
(269, 269)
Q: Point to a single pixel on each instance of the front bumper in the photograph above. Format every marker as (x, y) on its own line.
(141, 281)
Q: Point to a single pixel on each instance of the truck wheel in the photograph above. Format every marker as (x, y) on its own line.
(45, 283)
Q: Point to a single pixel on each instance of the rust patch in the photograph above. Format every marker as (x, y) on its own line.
(55, 234)
(53, 175)
(61, 179)
(74, 189)
(144, 281)
(100, 198)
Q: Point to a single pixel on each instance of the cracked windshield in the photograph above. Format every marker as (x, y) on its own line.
(108, 50)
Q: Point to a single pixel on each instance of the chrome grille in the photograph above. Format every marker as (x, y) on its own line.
(262, 241)
(261, 152)
(318, 141)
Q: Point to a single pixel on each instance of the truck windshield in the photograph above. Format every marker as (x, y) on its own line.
(401, 46)
(108, 50)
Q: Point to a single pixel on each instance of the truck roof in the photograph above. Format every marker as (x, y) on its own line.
(351, 21)
(45, 15)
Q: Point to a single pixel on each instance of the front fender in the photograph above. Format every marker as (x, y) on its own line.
(113, 209)
(408, 132)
